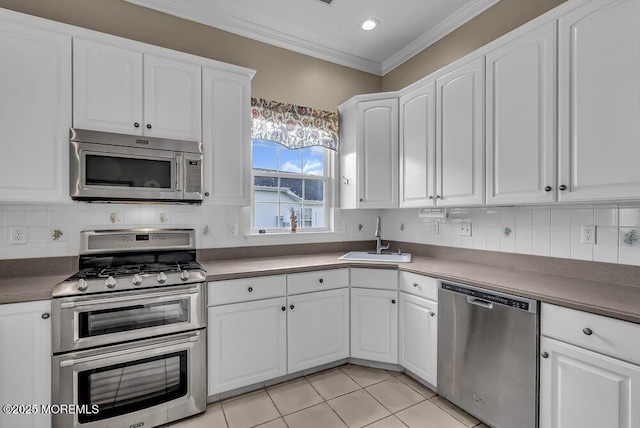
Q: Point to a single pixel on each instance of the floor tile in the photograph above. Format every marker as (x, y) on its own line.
(358, 409)
(212, 418)
(455, 411)
(319, 416)
(394, 395)
(389, 422)
(394, 373)
(428, 415)
(426, 392)
(332, 384)
(294, 396)
(278, 423)
(365, 376)
(250, 410)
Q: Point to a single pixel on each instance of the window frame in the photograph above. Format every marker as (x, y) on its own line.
(327, 178)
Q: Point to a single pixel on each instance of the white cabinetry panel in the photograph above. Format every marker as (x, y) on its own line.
(460, 136)
(418, 343)
(599, 101)
(520, 118)
(25, 361)
(35, 114)
(374, 325)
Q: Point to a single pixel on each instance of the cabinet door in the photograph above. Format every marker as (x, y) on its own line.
(107, 88)
(172, 99)
(580, 388)
(377, 152)
(417, 147)
(520, 109)
(418, 345)
(35, 114)
(227, 143)
(318, 328)
(374, 325)
(25, 361)
(460, 136)
(599, 102)
(247, 344)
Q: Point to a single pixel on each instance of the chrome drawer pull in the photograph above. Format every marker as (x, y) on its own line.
(587, 331)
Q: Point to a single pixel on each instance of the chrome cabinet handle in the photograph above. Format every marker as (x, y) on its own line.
(433, 314)
(393, 301)
(46, 315)
(284, 308)
(562, 187)
(136, 125)
(291, 307)
(430, 196)
(250, 289)
(547, 189)
(415, 284)
(587, 331)
(148, 126)
(345, 180)
(544, 355)
(321, 280)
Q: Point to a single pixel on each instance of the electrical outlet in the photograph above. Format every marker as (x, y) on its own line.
(465, 229)
(435, 227)
(588, 234)
(18, 235)
(232, 230)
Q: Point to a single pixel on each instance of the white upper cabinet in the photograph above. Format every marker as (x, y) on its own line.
(35, 114)
(226, 136)
(369, 153)
(119, 90)
(172, 99)
(107, 88)
(599, 101)
(417, 147)
(460, 136)
(520, 119)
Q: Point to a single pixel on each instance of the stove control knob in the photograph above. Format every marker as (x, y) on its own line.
(137, 279)
(162, 278)
(110, 282)
(184, 275)
(82, 285)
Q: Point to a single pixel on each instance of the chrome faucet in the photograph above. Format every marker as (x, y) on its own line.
(379, 246)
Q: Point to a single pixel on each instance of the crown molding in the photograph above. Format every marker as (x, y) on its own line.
(448, 25)
(262, 34)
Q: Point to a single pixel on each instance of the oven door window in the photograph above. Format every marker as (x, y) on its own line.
(132, 386)
(132, 317)
(131, 172)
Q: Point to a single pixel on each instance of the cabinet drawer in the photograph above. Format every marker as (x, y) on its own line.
(384, 279)
(318, 280)
(246, 289)
(608, 336)
(420, 285)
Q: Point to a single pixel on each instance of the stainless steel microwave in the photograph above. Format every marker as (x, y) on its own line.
(108, 167)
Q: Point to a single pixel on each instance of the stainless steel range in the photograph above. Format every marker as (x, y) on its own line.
(129, 339)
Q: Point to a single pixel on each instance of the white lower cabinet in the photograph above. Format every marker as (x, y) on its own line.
(589, 370)
(318, 328)
(25, 361)
(247, 343)
(374, 325)
(418, 344)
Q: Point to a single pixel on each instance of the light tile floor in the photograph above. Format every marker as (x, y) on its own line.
(348, 396)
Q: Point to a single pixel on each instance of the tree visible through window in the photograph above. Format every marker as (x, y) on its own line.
(286, 179)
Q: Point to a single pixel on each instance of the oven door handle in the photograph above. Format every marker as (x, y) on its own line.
(192, 337)
(106, 300)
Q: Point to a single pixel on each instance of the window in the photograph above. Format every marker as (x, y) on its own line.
(291, 148)
(289, 179)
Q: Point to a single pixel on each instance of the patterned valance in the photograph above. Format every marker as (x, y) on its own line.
(293, 126)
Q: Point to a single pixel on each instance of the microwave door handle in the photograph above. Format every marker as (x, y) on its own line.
(179, 172)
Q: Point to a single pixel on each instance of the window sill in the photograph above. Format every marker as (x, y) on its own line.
(302, 237)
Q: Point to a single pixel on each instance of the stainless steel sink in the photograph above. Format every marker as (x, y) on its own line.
(363, 256)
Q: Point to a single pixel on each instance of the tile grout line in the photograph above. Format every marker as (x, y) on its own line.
(324, 400)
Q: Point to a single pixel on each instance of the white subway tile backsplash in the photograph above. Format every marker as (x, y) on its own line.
(541, 216)
(541, 248)
(508, 215)
(629, 217)
(524, 247)
(15, 218)
(37, 218)
(494, 231)
(494, 216)
(560, 216)
(524, 216)
(605, 216)
(562, 250)
(582, 251)
(493, 244)
(607, 236)
(581, 216)
(605, 253)
(629, 256)
(508, 245)
(561, 234)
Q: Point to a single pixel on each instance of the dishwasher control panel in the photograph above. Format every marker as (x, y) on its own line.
(499, 298)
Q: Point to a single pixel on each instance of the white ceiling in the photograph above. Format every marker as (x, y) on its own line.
(332, 32)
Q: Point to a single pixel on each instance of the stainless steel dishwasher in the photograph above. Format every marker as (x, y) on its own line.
(488, 354)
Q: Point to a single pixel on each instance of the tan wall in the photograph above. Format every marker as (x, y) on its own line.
(282, 75)
(484, 28)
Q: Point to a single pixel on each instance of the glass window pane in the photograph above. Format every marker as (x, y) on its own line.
(264, 155)
(313, 160)
(286, 210)
(290, 190)
(266, 215)
(265, 189)
(313, 190)
(289, 160)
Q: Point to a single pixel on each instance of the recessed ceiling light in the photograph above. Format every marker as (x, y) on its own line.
(369, 24)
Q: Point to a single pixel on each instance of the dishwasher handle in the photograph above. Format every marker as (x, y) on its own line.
(480, 302)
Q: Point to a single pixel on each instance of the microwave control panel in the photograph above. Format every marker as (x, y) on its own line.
(193, 179)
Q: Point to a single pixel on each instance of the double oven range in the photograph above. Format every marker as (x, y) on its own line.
(129, 338)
